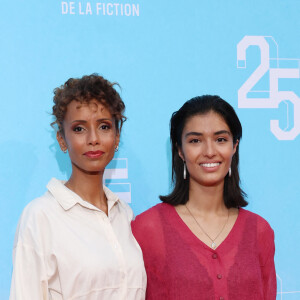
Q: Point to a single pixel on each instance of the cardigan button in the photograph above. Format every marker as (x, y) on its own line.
(214, 256)
(219, 276)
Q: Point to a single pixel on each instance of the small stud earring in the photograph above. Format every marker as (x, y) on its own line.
(117, 148)
(65, 151)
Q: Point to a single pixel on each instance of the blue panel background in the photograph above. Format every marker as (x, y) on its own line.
(172, 51)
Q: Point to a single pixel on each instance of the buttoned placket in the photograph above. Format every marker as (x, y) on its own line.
(214, 257)
(68, 199)
(115, 245)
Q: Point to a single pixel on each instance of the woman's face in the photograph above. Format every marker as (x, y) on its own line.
(90, 136)
(207, 148)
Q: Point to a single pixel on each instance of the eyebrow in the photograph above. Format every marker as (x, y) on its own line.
(223, 132)
(99, 120)
(194, 133)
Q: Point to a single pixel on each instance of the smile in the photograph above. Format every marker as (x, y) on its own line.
(93, 154)
(210, 165)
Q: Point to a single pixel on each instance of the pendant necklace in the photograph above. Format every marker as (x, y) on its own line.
(213, 244)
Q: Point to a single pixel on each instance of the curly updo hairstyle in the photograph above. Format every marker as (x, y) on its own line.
(85, 89)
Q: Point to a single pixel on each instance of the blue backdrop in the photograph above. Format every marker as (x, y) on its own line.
(162, 53)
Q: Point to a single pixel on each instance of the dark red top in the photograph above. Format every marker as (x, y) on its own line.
(180, 266)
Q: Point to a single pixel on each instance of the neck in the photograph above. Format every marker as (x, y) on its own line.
(207, 199)
(89, 187)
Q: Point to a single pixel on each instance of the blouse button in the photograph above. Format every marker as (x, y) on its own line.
(215, 255)
(219, 276)
(221, 298)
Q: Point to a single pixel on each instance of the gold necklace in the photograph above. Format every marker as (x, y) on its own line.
(213, 244)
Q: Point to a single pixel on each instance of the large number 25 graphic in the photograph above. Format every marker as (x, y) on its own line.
(275, 96)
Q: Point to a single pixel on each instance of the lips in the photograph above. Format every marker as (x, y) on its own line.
(94, 154)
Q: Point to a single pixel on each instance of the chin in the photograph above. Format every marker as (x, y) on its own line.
(211, 182)
(89, 169)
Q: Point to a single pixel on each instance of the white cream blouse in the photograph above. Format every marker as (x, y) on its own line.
(66, 248)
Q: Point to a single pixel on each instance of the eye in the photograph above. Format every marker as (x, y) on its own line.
(105, 126)
(194, 141)
(78, 129)
(221, 140)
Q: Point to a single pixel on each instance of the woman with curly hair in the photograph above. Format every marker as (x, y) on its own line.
(200, 243)
(75, 241)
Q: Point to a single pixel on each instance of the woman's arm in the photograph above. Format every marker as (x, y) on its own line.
(267, 250)
(29, 278)
(29, 281)
(269, 279)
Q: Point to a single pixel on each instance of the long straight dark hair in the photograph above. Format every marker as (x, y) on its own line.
(233, 195)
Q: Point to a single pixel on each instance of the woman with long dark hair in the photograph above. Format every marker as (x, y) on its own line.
(200, 243)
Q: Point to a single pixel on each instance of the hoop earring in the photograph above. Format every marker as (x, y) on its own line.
(117, 148)
(184, 170)
(229, 172)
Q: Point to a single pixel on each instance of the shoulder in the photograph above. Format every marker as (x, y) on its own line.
(37, 208)
(261, 223)
(264, 234)
(153, 213)
(34, 219)
(152, 218)
(124, 208)
(148, 228)
(38, 212)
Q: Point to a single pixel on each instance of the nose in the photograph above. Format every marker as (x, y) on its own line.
(209, 149)
(93, 137)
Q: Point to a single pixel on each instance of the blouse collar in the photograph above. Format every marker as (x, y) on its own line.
(67, 198)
